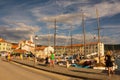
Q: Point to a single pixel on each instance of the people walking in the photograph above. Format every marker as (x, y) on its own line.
(109, 62)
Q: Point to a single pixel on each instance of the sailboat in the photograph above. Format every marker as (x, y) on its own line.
(101, 59)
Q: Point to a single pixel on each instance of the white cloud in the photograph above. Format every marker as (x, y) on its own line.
(109, 9)
(111, 30)
(65, 3)
(110, 40)
(19, 32)
(24, 27)
(67, 19)
(14, 18)
(104, 9)
(22, 24)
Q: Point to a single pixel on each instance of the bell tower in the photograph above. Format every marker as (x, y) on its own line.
(31, 38)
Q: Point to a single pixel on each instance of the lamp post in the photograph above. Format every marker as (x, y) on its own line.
(35, 60)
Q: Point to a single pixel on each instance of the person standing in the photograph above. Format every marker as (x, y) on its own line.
(52, 59)
(9, 56)
(67, 64)
(109, 62)
(47, 60)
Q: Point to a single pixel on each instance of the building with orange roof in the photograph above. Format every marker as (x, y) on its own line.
(5, 46)
(26, 45)
(40, 51)
(93, 47)
(14, 46)
(19, 51)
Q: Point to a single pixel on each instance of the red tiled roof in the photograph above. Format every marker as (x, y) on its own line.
(14, 46)
(78, 45)
(40, 48)
(2, 40)
(91, 43)
(19, 51)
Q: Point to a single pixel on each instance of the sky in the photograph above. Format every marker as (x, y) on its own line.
(20, 19)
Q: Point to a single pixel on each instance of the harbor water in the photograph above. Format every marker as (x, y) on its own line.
(118, 63)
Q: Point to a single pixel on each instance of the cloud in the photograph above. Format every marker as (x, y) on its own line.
(19, 32)
(24, 27)
(105, 9)
(65, 18)
(110, 40)
(44, 13)
(111, 30)
(23, 19)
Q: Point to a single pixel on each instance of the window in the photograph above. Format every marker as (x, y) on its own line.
(96, 47)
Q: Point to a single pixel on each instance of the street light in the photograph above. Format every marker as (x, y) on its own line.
(35, 60)
(36, 37)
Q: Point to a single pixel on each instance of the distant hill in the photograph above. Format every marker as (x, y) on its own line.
(112, 46)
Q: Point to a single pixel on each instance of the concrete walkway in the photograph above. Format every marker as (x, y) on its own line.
(87, 74)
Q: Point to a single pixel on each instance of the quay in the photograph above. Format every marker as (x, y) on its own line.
(86, 74)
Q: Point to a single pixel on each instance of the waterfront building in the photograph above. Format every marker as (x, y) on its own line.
(30, 46)
(93, 47)
(40, 51)
(27, 45)
(5, 46)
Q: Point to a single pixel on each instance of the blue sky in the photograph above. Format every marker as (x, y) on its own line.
(21, 18)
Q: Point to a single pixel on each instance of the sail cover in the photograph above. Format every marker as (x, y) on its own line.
(48, 49)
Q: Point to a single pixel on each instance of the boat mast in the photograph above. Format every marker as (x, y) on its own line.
(54, 34)
(98, 28)
(71, 40)
(84, 35)
(49, 38)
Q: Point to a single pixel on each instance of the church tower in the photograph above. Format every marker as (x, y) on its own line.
(31, 38)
